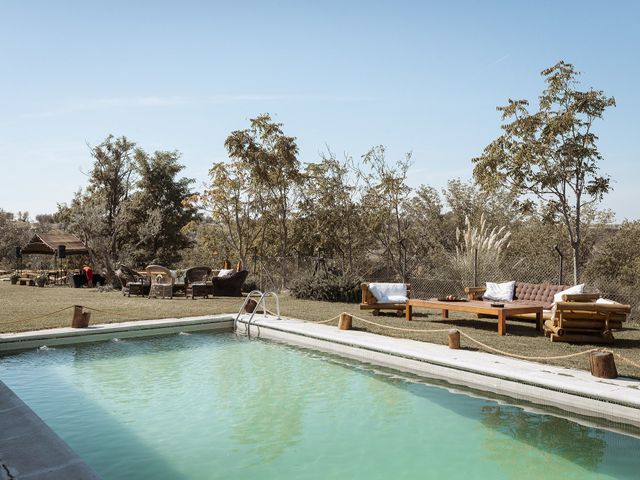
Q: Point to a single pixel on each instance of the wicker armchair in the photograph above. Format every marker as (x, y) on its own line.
(229, 285)
(197, 282)
(161, 281)
(132, 282)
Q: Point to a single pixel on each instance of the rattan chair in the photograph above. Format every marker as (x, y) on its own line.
(132, 282)
(162, 281)
(197, 282)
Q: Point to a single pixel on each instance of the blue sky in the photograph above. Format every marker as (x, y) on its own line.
(424, 77)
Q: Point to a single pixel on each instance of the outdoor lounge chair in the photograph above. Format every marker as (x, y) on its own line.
(585, 318)
(229, 285)
(132, 282)
(385, 296)
(162, 281)
(197, 282)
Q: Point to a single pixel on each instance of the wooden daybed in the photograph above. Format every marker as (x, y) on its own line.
(580, 318)
(370, 302)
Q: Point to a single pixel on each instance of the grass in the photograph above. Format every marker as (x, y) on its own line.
(25, 308)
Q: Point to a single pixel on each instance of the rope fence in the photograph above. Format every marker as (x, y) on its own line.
(488, 347)
(388, 327)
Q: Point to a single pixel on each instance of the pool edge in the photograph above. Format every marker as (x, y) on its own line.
(569, 390)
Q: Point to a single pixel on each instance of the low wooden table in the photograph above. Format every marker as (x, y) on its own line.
(476, 306)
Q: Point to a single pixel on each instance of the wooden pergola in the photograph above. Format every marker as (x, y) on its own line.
(48, 243)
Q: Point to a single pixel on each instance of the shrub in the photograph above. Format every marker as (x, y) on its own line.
(328, 288)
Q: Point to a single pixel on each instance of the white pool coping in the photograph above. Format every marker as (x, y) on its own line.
(574, 391)
(11, 342)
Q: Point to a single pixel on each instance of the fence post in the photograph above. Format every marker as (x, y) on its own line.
(561, 272)
(475, 267)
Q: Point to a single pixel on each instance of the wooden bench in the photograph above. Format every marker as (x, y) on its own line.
(578, 318)
(27, 281)
(370, 302)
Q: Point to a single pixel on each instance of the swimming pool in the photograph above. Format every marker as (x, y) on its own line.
(217, 406)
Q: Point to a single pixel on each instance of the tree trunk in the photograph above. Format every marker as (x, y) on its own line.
(576, 263)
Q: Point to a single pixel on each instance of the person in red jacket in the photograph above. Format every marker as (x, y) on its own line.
(88, 272)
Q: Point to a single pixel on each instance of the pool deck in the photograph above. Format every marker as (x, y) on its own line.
(30, 449)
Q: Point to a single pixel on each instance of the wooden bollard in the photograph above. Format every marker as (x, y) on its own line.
(80, 318)
(345, 321)
(250, 306)
(603, 365)
(454, 339)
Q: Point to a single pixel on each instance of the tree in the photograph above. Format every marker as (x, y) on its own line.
(231, 202)
(385, 195)
(161, 207)
(271, 158)
(327, 221)
(101, 214)
(14, 232)
(551, 155)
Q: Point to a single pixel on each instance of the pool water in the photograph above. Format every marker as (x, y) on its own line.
(208, 406)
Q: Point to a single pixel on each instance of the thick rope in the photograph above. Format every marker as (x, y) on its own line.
(487, 347)
(420, 330)
(108, 312)
(38, 317)
(624, 359)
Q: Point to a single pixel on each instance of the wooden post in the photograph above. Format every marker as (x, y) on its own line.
(250, 305)
(80, 319)
(603, 365)
(345, 321)
(454, 339)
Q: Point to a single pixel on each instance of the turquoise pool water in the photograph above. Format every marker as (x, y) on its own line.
(207, 406)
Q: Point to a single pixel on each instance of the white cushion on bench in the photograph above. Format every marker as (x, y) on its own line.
(500, 292)
(576, 289)
(389, 292)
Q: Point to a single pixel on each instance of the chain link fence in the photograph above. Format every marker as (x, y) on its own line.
(279, 273)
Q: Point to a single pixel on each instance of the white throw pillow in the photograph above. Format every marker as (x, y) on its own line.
(569, 291)
(502, 292)
(225, 272)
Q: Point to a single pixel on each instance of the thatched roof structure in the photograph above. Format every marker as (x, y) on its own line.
(47, 244)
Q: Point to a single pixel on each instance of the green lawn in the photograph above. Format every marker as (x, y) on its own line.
(29, 308)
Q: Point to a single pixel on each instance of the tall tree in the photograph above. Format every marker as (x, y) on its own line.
(328, 219)
(272, 160)
(162, 206)
(385, 195)
(551, 155)
(101, 214)
(231, 202)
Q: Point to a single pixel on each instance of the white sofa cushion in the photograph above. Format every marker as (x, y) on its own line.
(569, 291)
(502, 292)
(389, 292)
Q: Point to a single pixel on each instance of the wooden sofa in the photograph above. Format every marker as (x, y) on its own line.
(579, 318)
(539, 294)
(370, 302)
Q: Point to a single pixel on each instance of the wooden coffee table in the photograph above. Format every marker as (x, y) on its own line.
(476, 306)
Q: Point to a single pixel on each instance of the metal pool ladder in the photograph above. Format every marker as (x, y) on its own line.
(261, 302)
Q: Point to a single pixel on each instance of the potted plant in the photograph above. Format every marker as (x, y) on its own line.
(41, 279)
(14, 278)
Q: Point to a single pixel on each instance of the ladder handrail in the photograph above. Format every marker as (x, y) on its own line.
(261, 301)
